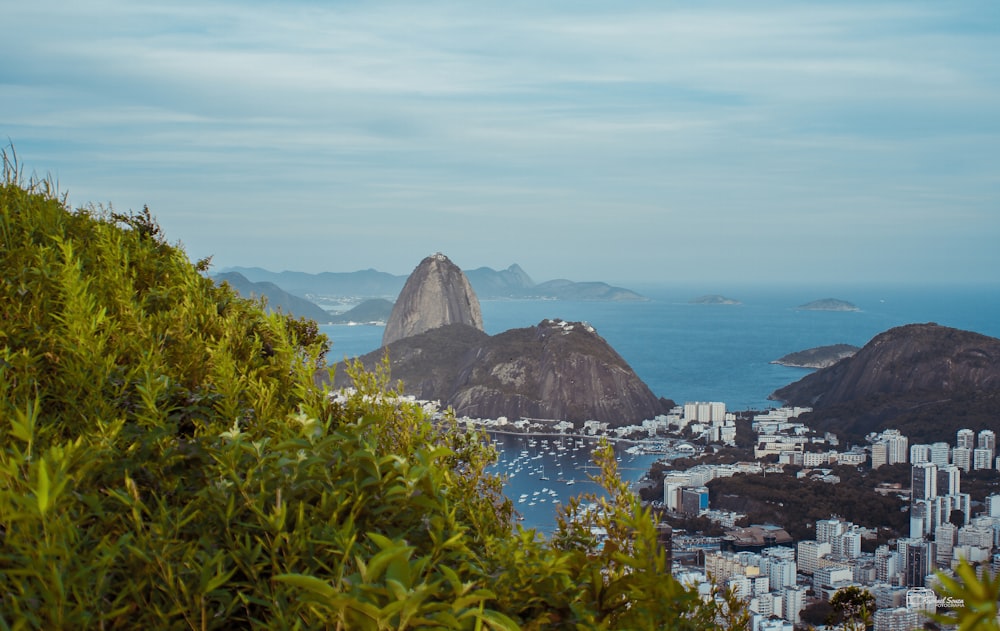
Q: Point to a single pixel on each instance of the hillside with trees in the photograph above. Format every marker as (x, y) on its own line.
(926, 380)
(796, 504)
(169, 461)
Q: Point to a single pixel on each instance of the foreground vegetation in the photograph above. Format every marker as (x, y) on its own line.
(167, 460)
(170, 460)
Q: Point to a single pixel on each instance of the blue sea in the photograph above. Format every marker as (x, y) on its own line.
(705, 352)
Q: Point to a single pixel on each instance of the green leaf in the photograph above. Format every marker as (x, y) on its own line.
(378, 563)
(309, 583)
(497, 620)
(42, 490)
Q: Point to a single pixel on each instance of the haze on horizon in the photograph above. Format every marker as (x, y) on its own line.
(654, 142)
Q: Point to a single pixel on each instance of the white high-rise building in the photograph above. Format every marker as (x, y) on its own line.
(944, 539)
(794, 599)
(880, 455)
(962, 458)
(921, 518)
(903, 544)
(828, 530)
(808, 553)
(887, 564)
(781, 573)
(920, 453)
(889, 447)
(982, 458)
(713, 412)
(949, 480)
(740, 586)
(767, 605)
(944, 505)
(940, 453)
(760, 585)
(993, 505)
(897, 446)
(919, 562)
(988, 440)
(923, 478)
(976, 536)
(963, 502)
(850, 544)
(965, 438)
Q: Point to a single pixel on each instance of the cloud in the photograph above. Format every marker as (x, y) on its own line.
(346, 130)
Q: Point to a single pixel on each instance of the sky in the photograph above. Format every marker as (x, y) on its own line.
(696, 142)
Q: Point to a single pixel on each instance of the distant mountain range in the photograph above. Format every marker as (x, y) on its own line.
(290, 291)
(275, 297)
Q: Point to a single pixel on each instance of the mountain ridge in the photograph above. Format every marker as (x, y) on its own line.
(276, 298)
(512, 282)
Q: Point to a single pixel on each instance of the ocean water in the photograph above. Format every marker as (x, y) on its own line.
(694, 352)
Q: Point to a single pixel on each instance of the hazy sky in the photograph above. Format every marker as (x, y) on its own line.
(720, 142)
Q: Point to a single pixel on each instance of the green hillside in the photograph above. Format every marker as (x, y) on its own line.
(168, 461)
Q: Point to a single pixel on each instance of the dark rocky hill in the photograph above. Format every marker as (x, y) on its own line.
(436, 294)
(276, 297)
(924, 379)
(554, 370)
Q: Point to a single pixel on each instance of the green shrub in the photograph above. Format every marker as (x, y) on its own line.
(168, 460)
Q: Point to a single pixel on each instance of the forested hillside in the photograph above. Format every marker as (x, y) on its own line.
(168, 461)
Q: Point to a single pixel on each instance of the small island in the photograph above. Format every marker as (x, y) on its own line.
(714, 299)
(819, 357)
(829, 304)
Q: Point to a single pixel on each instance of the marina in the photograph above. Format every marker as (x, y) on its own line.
(542, 472)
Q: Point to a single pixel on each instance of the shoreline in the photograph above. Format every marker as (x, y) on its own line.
(595, 437)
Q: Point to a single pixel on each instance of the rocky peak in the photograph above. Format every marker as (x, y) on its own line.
(436, 294)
